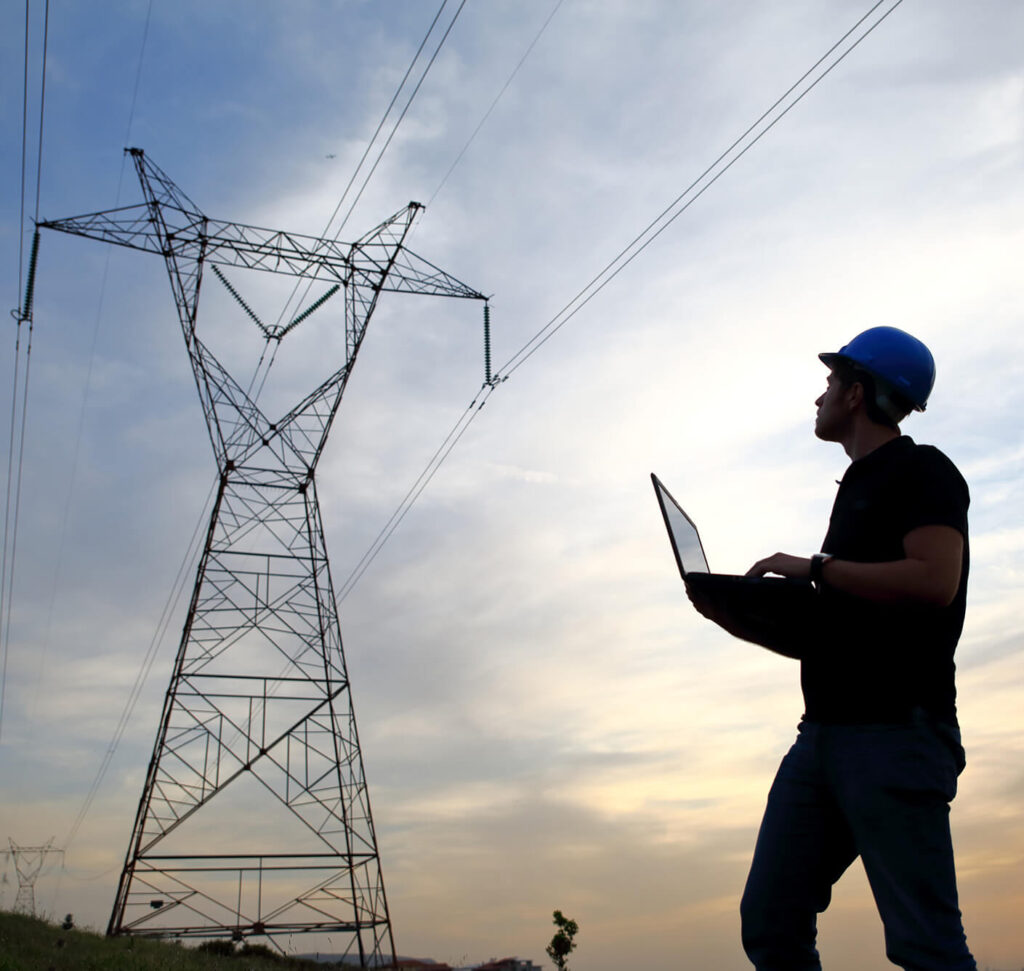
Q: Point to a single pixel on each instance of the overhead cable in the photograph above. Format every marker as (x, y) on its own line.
(384, 118)
(11, 546)
(18, 425)
(42, 106)
(753, 134)
(373, 140)
(72, 476)
(161, 628)
(24, 156)
(494, 103)
(423, 480)
(163, 624)
(725, 161)
(9, 492)
(419, 83)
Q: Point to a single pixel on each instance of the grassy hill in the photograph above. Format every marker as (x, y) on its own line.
(31, 944)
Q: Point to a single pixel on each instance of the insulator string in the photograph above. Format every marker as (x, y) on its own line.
(487, 342)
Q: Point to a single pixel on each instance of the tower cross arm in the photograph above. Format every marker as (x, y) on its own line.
(228, 244)
(378, 261)
(130, 226)
(410, 273)
(310, 257)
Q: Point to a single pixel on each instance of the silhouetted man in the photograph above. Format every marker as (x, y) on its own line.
(876, 759)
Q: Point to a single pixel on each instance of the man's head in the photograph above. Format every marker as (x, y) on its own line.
(894, 370)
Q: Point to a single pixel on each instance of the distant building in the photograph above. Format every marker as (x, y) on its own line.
(416, 964)
(508, 964)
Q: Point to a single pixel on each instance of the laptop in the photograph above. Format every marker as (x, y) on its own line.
(771, 594)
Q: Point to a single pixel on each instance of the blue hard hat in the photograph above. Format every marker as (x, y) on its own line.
(901, 361)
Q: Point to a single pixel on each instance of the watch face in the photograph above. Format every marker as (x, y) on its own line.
(817, 564)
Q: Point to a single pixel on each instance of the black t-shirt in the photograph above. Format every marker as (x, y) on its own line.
(878, 662)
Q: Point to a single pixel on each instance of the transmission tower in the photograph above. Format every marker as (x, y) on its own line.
(28, 863)
(258, 715)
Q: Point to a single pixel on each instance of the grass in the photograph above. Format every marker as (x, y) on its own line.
(31, 944)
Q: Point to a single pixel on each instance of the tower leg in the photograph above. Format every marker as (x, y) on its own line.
(255, 816)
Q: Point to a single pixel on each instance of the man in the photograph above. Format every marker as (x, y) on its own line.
(877, 756)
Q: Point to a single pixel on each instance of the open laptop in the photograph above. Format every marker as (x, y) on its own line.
(781, 593)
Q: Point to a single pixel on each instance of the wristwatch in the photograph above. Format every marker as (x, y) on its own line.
(818, 562)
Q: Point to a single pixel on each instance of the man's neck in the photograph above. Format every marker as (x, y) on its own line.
(866, 436)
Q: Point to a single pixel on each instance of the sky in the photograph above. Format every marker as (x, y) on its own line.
(545, 722)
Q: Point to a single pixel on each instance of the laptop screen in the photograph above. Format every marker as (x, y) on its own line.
(685, 541)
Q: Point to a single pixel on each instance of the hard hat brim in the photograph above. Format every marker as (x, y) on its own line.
(831, 358)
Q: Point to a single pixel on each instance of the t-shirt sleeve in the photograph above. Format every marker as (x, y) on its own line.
(936, 493)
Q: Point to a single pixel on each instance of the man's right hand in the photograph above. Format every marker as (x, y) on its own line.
(711, 606)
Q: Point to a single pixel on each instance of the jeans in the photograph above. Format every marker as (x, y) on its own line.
(881, 792)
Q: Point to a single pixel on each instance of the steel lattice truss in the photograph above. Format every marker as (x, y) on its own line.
(259, 711)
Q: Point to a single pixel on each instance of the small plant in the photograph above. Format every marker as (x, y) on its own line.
(221, 948)
(563, 943)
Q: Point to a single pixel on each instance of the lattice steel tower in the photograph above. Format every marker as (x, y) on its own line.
(28, 864)
(258, 713)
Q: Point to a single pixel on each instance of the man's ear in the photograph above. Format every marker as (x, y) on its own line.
(855, 395)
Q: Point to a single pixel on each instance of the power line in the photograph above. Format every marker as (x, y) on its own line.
(678, 206)
(14, 384)
(494, 103)
(138, 77)
(24, 155)
(7, 557)
(630, 252)
(419, 83)
(373, 168)
(42, 106)
(161, 628)
(384, 117)
(415, 490)
(12, 551)
(473, 409)
(12, 502)
(373, 139)
(72, 477)
(177, 588)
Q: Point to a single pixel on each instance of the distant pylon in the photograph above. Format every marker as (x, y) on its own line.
(258, 715)
(28, 862)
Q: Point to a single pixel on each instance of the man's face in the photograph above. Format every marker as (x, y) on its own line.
(834, 410)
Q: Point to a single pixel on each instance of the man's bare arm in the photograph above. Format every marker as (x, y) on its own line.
(929, 573)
